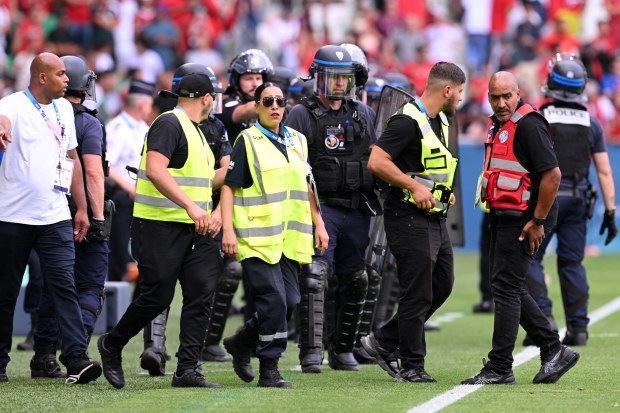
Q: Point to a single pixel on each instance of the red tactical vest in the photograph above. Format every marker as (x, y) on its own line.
(506, 184)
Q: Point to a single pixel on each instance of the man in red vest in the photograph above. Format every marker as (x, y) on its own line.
(519, 183)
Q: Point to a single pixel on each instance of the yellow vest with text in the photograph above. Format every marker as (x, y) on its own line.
(439, 164)
(272, 217)
(195, 178)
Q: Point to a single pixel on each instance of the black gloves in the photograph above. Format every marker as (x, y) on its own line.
(609, 222)
(96, 231)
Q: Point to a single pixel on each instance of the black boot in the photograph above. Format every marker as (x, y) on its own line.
(269, 376)
(28, 343)
(45, 366)
(240, 348)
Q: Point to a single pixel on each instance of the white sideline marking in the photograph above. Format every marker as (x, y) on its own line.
(451, 396)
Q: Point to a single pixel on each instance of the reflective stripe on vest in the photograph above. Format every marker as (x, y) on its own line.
(437, 160)
(195, 178)
(272, 217)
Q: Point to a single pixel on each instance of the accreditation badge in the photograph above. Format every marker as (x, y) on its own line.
(63, 175)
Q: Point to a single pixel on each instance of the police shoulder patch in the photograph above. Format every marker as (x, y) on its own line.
(231, 104)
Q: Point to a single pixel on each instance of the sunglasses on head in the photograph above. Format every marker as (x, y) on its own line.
(268, 101)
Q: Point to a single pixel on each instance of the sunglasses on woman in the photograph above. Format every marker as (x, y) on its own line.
(268, 101)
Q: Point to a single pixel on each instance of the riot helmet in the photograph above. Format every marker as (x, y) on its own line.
(249, 61)
(566, 80)
(283, 77)
(372, 92)
(333, 72)
(399, 80)
(186, 69)
(81, 80)
(299, 89)
(358, 57)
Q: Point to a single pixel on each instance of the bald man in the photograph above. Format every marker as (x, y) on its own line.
(519, 182)
(39, 168)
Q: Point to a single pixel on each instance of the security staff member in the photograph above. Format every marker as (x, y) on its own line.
(247, 71)
(340, 131)
(172, 233)
(268, 211)
(155, 355)
(413, 157)
(519, 183)
(91, 255)
(578, 138)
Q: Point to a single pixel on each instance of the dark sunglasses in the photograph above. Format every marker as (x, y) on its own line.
(268, 101)
(213, 95)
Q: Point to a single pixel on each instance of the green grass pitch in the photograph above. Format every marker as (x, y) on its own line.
(454, 354)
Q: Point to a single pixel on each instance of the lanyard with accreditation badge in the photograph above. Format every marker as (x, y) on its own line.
(64, 169)
(289, 142)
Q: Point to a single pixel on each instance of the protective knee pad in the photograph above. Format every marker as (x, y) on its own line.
(312, 285)
(222, 300)
(352, 291)
(370, 303)
(389, 291)
(155, 332)
(91, 303)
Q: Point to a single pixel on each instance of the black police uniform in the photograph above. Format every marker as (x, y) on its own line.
(339, 147)
(577, 135)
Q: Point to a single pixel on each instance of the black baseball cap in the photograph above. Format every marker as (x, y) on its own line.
(195, 85)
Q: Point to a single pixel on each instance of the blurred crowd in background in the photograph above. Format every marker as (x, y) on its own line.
(148, 39)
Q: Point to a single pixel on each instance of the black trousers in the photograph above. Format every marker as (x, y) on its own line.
(485, 264)
(167, 252)
(510, 261)
(425, 265)
(119, 236)
(274, 290)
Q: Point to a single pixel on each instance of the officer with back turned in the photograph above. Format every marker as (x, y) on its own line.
(578, 139)
(339, 131)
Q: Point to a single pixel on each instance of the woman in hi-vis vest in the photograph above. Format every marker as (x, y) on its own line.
(267, 214)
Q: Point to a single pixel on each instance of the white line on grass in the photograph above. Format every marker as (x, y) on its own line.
(452, 396)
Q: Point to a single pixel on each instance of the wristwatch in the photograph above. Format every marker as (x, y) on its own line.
(539, 221)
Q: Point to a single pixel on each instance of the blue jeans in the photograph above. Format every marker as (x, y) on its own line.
(54, 245)
(91, 269)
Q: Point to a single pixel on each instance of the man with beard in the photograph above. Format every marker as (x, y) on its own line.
(412, 156)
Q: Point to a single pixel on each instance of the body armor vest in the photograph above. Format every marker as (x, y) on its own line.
(570, 123)
(339, 154)
(216, 141)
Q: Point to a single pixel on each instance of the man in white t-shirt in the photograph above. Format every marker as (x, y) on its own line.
(40, 166)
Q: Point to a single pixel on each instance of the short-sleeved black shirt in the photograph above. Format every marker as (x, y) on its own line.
(166, 137)
(402, 140)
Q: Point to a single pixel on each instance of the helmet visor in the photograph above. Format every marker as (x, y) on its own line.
(335, 83)
(90, 86)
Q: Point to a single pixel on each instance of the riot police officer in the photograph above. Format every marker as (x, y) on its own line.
(154, 356)
(578, 138)
(247, 71)
(91, 255)
(340, 132)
